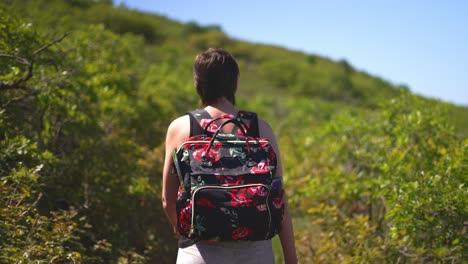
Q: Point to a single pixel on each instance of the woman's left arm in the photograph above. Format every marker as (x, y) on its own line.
(287, 233)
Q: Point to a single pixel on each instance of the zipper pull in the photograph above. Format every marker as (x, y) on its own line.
(191, 231)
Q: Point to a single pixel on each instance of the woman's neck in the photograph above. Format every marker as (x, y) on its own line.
(222, 106)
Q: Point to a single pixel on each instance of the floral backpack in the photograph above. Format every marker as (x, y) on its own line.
(227, 186)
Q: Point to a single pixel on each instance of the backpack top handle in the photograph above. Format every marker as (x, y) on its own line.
(237, 123)
(242, 126)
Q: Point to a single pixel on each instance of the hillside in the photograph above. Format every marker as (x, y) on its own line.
(374, 173)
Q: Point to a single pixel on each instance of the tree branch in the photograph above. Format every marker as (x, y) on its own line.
(22, 97)
(19, 83)
(18, 59)
(41, 49)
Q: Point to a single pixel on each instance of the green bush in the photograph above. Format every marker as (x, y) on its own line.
(390, 187)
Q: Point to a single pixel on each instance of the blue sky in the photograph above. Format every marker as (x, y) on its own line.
(421, 44)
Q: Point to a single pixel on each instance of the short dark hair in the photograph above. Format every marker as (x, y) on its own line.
(215, 73)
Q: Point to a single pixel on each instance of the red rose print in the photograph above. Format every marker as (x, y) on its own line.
(278, 202)
(239, 130)
(217, 145)
(241, 232)
(220, 179)
(180, 191)
(260, 168)
(258, 191)
(184, 220)
(205, 202)
(241, 199)
(197, 154)
(213, 126)
(212, 156)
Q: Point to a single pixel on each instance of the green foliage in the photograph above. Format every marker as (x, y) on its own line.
(18, 40)
(88, 89)
(27, 235)
(79, 110)
(208, 39)
(389, 187)
(193, 27)
(122, 21)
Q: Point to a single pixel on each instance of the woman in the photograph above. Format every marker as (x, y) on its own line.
(215, 74)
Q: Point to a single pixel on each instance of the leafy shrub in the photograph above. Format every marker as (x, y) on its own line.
(27, 235)
(391, 187)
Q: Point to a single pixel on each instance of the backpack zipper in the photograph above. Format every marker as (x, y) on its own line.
(230, 187)
(228, 141)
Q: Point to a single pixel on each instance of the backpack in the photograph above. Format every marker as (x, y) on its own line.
(227, 186)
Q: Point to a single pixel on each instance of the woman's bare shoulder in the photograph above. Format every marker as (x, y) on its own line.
(178, 131)
(180, 123)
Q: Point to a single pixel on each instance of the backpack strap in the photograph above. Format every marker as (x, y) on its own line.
(252, 122)
(250, 119)
(195, 117)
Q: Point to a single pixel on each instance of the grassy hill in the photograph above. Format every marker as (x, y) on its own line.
(374, 173)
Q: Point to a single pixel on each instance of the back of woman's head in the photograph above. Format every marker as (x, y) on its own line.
(215, 73)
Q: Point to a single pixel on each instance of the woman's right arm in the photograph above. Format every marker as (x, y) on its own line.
(177, 132)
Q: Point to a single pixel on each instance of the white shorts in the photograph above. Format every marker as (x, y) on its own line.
(244, 252)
